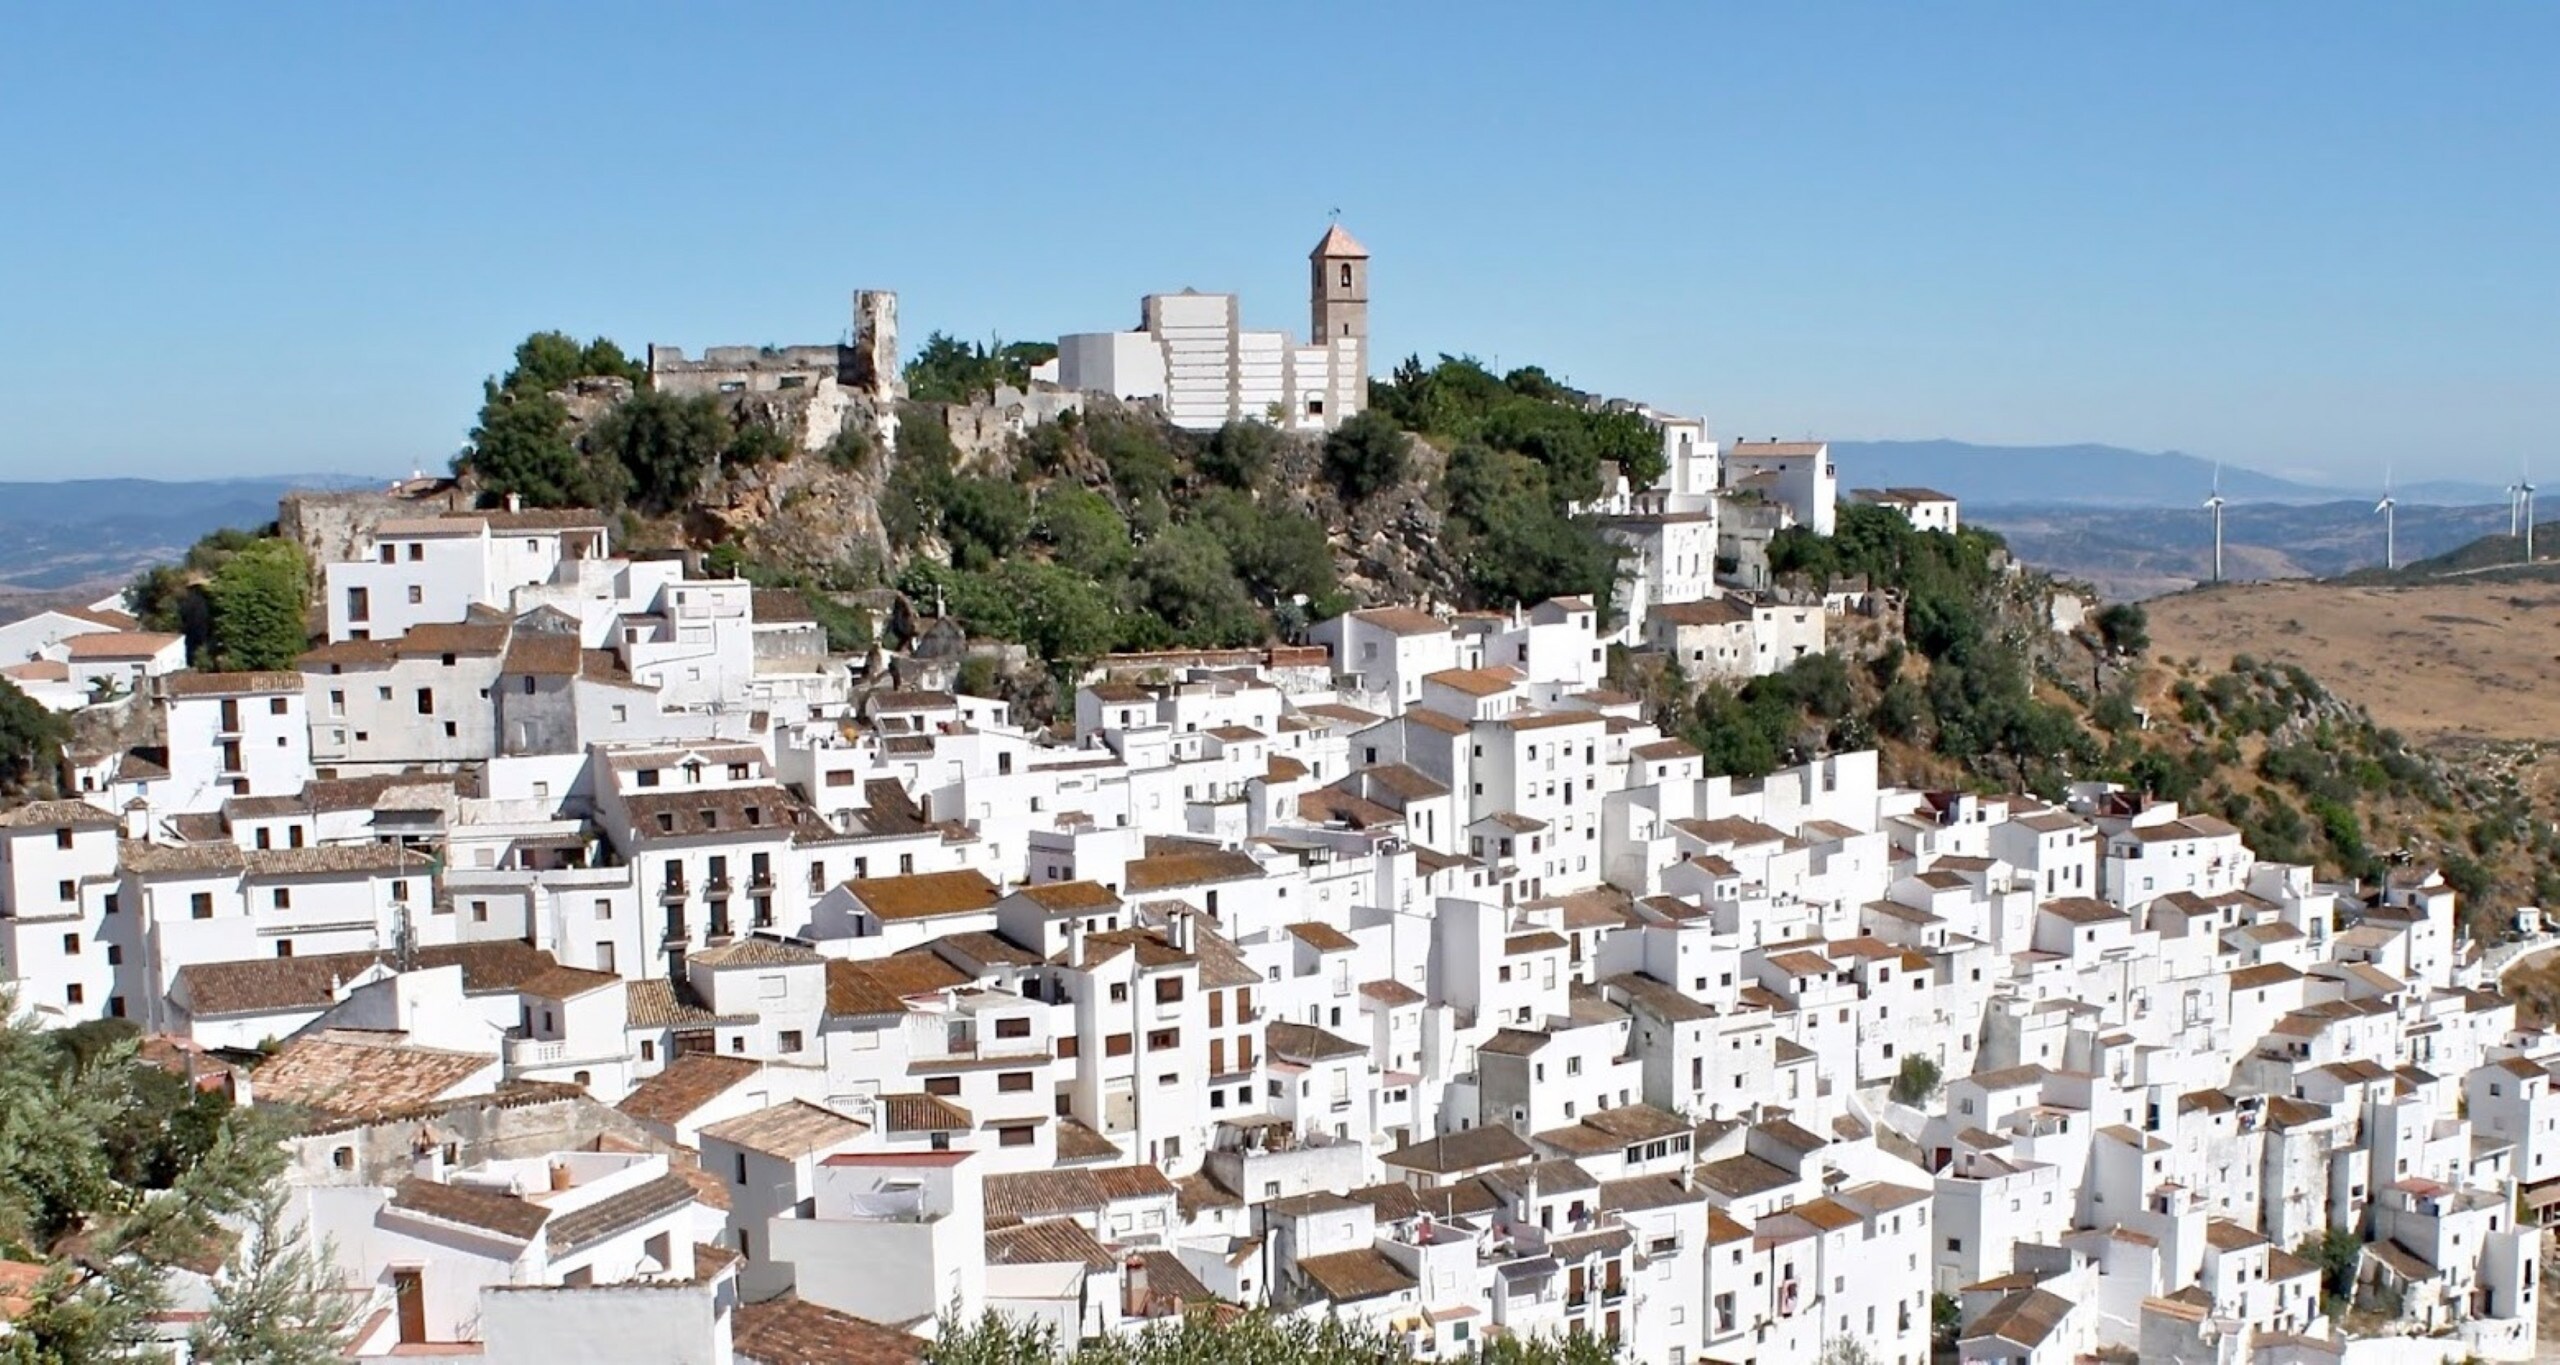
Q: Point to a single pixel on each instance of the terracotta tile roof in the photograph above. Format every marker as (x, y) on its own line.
(341, 1071)
(1338, 244)
(534, 519)
(1476, 682)
(690, 1081)
(1401, 620)
(1023, 1196)
(229, 684)
(1471, 1150)
(1391, 994)
(536, 654)
(716, 810)
(881, 987)
(661, 1003)
(1132, 1182)
(1647, 1192)
(1353, 1276)
(568, 983)
(322, 860)
(1660, 999)
(1167, 871)
(978, 950)
(1170, 1284)
(618, 1212)
(2024, 1318)
(792, 1331)
(921, 1113)
(1636, 1122)
(1080, 1141)
(55, 815)
(517, 1220)
(149, 859)
(1732, 829)
(925, 895)
(1324, 938)
(1050, 1241)
(1776, 448)
(1713, 611)
(1307, 1043)
(1742, 1176)
(1072, 897)
(790, 1130)
(756, 951)
(1333, 805)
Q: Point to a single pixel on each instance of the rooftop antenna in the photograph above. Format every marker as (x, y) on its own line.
(2214, 505)
(2388, 507)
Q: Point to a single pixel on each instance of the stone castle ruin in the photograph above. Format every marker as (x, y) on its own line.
(811, 393)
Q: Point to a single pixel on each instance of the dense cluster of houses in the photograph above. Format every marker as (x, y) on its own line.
(647, 985)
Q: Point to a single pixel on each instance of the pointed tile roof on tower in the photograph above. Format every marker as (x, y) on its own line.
(1339, 243)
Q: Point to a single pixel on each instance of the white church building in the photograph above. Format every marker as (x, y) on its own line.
(1193, 355)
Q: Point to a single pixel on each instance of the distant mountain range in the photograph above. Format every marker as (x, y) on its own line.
(80, 535)
(2102, 476)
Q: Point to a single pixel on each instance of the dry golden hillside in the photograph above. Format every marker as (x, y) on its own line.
(2441, 662)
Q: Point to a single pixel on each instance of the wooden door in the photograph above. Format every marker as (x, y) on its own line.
(409, 1291)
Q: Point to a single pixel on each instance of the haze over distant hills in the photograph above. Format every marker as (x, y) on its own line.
(87, 534)
(2101, 476)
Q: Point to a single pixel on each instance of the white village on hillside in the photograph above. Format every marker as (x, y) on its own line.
(653, 985)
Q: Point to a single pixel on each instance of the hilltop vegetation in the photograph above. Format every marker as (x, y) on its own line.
(1109, 530)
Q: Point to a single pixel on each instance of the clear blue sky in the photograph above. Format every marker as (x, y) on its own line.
(2311, 238)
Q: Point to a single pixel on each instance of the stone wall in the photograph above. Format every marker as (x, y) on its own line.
(527, 1121)
(332, 526)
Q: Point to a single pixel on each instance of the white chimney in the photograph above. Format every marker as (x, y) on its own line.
(1133, 1286)
(515, 502)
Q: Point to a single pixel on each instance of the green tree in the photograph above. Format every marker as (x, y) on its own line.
(107, 1241)
(1185, 579)
(275, 1302)
(1366, 454)
(1918, 1079)
(664, 444)
(1143, 458)
(1083, 531)
(948, 370)
(2124, 629)
(1279, 554)
(1241, 454)
(553, 360)
(920, 481)
(1066, 617)
(31, 740)
(2335, 1251)
(984, 520)
(259, 613)
(521, 446)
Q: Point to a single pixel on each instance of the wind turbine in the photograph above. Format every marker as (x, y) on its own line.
(2214, 505)
(2388, 507)
(2524, 498)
